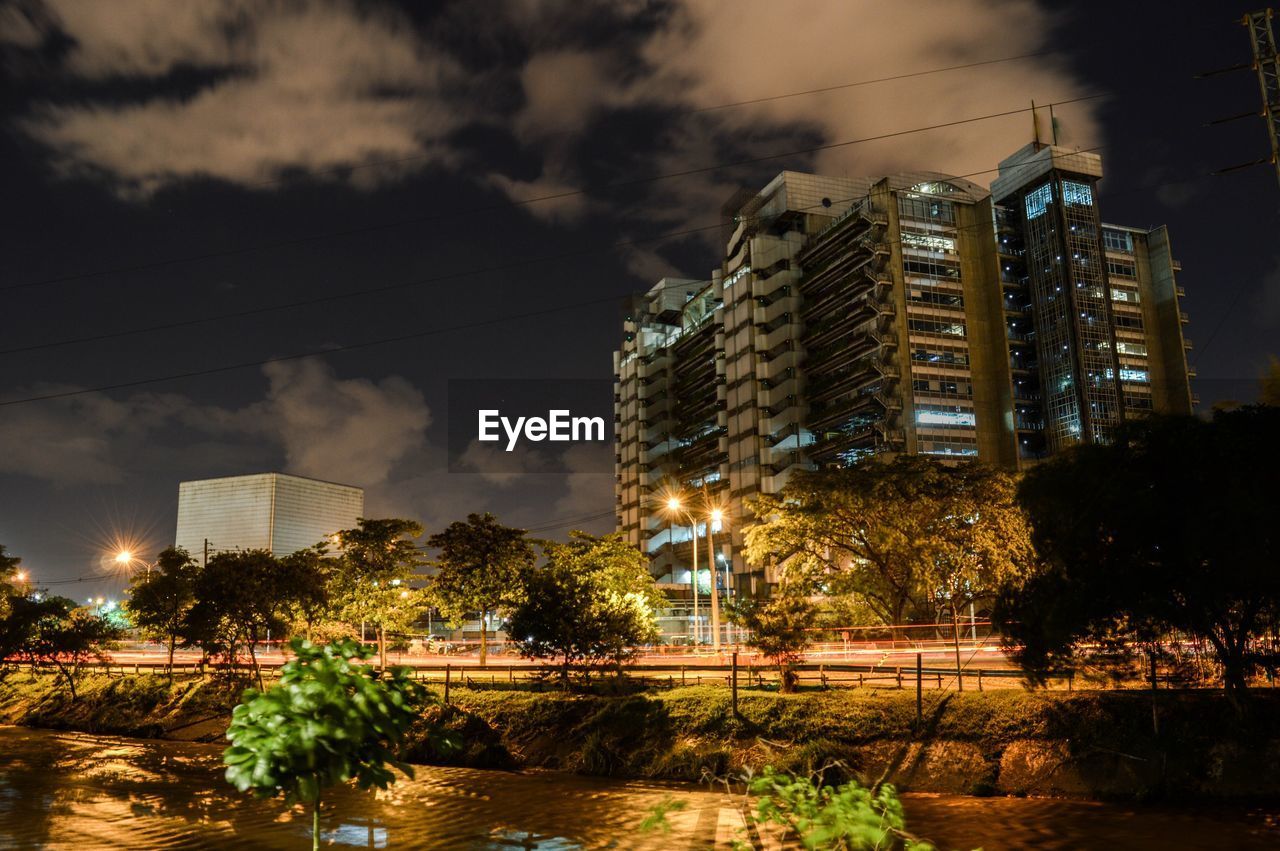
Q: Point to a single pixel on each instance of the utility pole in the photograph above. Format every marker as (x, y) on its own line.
(715, 592)
(206, 553)
(1267, 66)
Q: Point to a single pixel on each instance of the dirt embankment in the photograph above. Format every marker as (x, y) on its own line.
(1084, 744)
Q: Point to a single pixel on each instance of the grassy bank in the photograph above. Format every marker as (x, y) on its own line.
(1093, 744)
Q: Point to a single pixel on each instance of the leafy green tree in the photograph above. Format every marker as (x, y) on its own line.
(8, 581)
(478, 569)
(977, 539)
(905, 536)
(242, 599)
(54, 631)
(371, 580)
(160, 600)
(592, 601)
(779, 628)
(330, 721)
(1171, 528)
(309, 575)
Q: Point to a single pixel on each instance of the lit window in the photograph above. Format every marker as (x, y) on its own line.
(1038, 200)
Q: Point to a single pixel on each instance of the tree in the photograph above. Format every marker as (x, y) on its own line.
(1269, 389)
(1171, 528)
(242, 598)
(330, 720)
(8, 582)
(592, 601)
(160, 600)
(309, 575)
(52, 630)
(976, 538)
(370, 584)
(479, 566)
(903, 535)
(779, 628)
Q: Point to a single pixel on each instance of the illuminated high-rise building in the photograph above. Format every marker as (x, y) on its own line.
(910, 313)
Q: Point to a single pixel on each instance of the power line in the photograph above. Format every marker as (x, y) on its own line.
(203, 319)
(694, 111)
(334, 349)
(555, 196)
(379, 341)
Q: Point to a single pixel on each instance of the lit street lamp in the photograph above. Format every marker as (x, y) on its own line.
(125, 558)
(674, 506)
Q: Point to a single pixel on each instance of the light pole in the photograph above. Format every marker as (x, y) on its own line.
(126, 558)
(715, 516)
(674, 506)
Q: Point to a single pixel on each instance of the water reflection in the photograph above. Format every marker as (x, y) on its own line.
(66, 790)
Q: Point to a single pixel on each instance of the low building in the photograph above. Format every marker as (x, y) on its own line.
(267, 511)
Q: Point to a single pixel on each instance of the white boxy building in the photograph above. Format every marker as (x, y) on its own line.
(269, 511)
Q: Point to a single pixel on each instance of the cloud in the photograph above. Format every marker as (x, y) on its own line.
(96, 439)
(348, 430)
(301, 86)
(707, 53)
(343, 429)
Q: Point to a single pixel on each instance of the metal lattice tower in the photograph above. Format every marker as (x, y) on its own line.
(1267, 65)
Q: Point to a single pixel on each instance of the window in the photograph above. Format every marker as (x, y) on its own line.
(945, 418)
(1123, 320)
(958, 358)
(927, 210)
(1130, 348)
(1127, 296)
(947, 270)
(1038, 200)
(1123, 268)
(944, 299)
(929, 242)
(1078, 194)
(946, 329)
(1117, 240)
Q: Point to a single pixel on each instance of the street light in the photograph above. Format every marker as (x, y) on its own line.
(715, 516)
(674, 506)
(125, 558)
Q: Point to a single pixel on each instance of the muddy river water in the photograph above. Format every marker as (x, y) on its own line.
(76, 791)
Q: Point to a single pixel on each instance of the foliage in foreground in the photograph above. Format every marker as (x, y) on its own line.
(331, 720)
(801, 809)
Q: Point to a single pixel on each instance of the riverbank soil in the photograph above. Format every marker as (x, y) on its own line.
(1100, 745)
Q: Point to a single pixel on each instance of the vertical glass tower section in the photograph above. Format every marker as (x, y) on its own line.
(1054, 191)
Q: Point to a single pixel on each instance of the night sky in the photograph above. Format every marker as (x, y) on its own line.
(194, 165)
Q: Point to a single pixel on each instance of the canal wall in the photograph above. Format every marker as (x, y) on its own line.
(1108, 745)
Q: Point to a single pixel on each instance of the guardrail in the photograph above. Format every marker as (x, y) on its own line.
(751, 672)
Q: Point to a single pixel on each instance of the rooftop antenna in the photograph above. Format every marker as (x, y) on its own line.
(1267, 66)
(1035, 124)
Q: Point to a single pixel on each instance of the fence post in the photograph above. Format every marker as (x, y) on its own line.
(979, 679)
(734, 684)
(511, 673)
(919, 689)
(822, 674)
(898, 672)
(447, 668)
(682, 667)
(939, 680)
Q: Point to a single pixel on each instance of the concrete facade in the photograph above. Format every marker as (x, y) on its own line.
(853, 317)
(270, 511)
